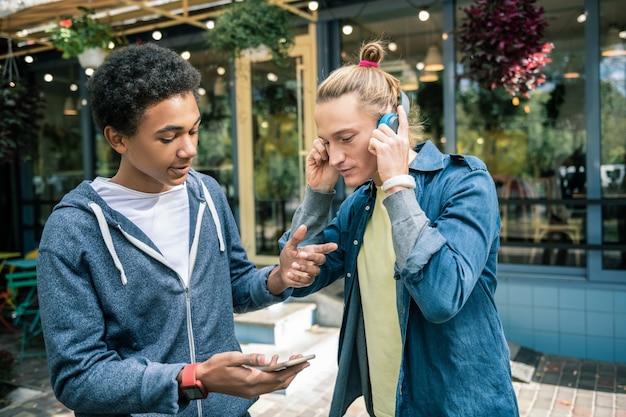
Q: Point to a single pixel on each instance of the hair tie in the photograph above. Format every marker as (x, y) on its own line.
(368, 64)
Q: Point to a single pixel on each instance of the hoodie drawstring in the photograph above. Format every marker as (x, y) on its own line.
(108, 240)
(216, 219)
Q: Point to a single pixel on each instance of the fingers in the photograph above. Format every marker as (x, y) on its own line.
(307, 266)
(256, 359)
(320, 149)
(391, 149)
(319, 153)
(297, 236)
(403, 128)
(234, 373)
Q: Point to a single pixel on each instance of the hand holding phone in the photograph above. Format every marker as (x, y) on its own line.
(286, 364)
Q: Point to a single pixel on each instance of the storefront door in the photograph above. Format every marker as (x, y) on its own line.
(274, 129)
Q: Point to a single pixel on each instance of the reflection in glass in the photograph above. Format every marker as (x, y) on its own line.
(535, 148)
(215, 145)
(276, 138)
(613, 145)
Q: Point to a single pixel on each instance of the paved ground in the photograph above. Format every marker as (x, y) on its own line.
(556, 386)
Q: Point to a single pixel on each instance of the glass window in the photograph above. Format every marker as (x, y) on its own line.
(215, 139)
(535, 148)
(59, 165)
(414, 55)
(276, 134)
(613, 126)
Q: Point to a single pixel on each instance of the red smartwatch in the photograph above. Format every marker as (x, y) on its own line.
(191, 387)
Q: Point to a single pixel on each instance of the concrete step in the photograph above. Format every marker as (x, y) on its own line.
(275, 325)
(294, 327)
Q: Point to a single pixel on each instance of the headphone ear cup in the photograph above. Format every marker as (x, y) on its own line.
(391, 120)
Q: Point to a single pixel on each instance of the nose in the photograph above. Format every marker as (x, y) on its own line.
(189, 147)
(335, 156)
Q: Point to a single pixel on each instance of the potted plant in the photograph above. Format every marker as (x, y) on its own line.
(84, 36)
(503, 44)
(251, 26)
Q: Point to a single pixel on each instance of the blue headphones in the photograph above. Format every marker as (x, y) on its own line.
(391, 119)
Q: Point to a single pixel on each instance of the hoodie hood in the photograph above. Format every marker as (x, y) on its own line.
(85, 197)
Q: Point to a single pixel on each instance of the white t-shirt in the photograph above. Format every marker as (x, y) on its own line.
(163, 217)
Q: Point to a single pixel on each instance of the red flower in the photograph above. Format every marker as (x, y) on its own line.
(66, 23)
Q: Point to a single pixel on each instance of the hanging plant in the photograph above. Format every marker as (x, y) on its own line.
(253, 25)
(503, 45)
(74, 35)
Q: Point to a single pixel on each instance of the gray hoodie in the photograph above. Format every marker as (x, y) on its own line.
(119, 323)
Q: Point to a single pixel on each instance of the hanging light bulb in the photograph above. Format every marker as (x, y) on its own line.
(347, 29)
(423, 15)
(219, 87)
(614, 45)
(409, 80)
(433, 60)
(69, 109)
(313, 6)
(203, 101)
(428, 77)
(571, 70)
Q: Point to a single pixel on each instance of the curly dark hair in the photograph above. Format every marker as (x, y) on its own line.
(134, 78)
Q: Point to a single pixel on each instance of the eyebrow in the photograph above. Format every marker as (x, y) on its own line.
(175, 128)
(339, 133)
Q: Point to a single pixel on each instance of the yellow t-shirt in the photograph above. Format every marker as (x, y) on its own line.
(378, 296)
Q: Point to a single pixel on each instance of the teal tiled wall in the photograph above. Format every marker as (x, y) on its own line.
(578, 322)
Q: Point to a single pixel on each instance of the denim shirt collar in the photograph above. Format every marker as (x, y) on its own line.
(429, 158)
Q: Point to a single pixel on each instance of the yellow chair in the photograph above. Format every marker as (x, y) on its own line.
(542, 225)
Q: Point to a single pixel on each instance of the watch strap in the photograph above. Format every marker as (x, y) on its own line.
(189, 380)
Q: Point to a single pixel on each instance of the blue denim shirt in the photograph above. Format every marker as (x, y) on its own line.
(446, 238)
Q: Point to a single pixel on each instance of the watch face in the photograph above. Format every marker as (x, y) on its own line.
(193, 393)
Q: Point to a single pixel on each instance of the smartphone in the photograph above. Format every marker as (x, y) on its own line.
(286, 364)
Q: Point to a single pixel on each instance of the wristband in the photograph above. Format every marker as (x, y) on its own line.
(191, 387)
(399, 180)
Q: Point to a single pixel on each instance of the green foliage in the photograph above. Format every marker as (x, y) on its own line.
(21, 110)
(72, 36)
(251, 24)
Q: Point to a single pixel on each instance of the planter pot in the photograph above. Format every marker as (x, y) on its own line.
(91, 57)
(259, 53)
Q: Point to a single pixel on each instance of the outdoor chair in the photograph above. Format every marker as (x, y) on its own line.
(26, 314)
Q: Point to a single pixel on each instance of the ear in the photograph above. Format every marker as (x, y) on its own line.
(116, 140)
